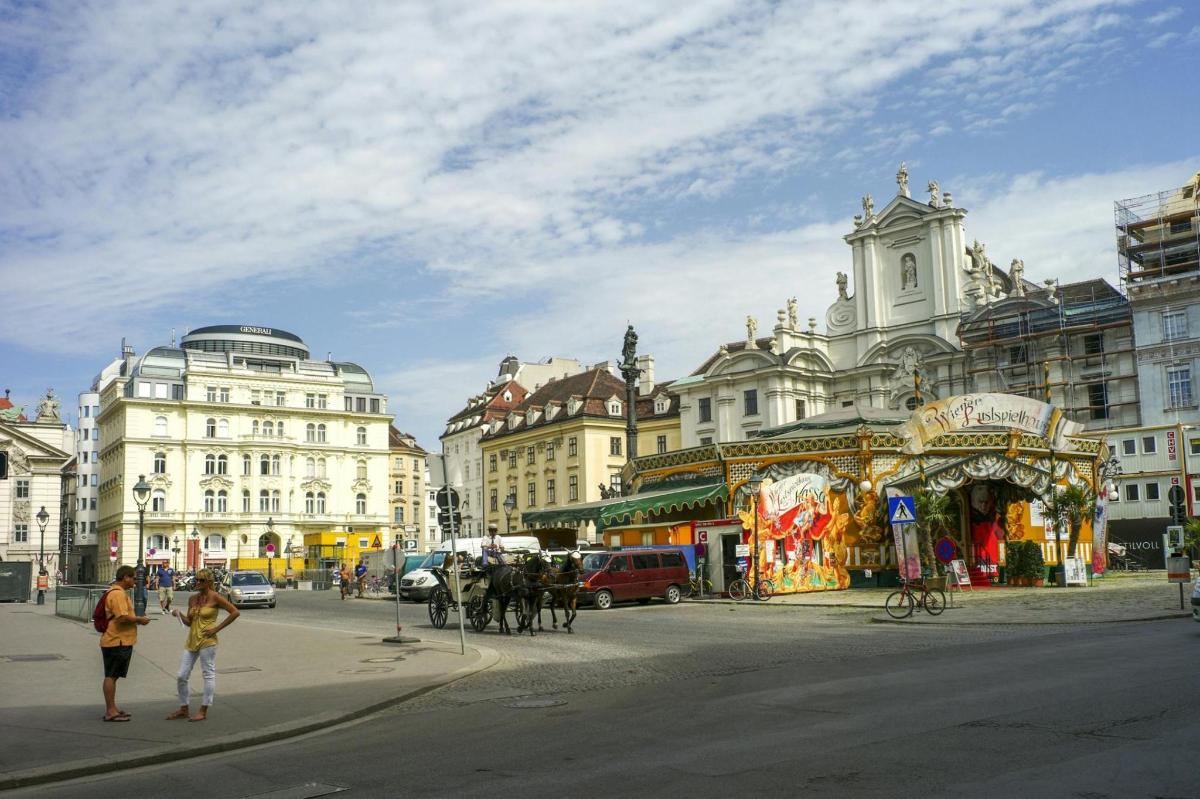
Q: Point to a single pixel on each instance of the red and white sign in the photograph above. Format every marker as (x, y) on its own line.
(270, 550)
(112, 546)
(1172, 453)
(1174, 481)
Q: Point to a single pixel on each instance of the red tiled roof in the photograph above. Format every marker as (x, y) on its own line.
(5, 404)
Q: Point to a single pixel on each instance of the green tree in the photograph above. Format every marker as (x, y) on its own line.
(1068, 508)
(935, 516)
(1191, 535)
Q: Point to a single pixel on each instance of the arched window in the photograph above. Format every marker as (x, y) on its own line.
(309, 502)
(310, 467)
(245, 502)
(223, 428)
(222, 501)
(362, 470)
(210, 464)
(321, 467)
(210, 428)
(215, 543)
(263, 541)
(275, 501)
(158, 501)
(362, 436)
(264, 464)
(160, 425)
(320, 502)
(209, 501)
(222, 464)
(310, 432)
(279, 429)
(264, 501)
(254, 427)
(320, 434)
(268, 428)
(275, 465)
(160, 463)
(360, 504)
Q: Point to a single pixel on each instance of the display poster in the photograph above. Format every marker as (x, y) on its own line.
(908, 555)
(1075, 571)
(1099, 534)
(801, 527)
(979, 411)
(959, 574)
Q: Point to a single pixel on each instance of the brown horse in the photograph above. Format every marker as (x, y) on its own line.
(563, 587)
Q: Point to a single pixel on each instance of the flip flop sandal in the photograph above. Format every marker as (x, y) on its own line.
(116, 718)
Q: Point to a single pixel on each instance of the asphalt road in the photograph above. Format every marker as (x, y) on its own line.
(717, 700)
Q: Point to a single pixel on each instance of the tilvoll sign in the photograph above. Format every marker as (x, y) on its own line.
(901, 510)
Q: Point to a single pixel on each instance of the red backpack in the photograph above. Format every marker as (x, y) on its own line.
(100, 614)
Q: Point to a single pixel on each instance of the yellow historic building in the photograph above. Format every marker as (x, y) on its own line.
(406, 492)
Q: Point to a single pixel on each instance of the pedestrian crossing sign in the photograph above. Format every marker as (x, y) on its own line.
(376, 544)
(901, 510)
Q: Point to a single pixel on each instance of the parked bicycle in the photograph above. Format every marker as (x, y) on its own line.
(913, 594)
(739, 589)
(699, 585)
(377, 585)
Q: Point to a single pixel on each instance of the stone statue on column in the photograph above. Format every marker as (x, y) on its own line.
(902, 179)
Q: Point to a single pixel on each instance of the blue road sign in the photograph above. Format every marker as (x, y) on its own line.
(901, 510)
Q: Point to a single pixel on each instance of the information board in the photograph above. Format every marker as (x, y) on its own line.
(1075, 571)
(959, 577)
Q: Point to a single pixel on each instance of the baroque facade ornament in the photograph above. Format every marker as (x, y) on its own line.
(48, 409)
(902, 179)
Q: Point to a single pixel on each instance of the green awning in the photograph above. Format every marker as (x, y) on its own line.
(567, 514)
(663, 501)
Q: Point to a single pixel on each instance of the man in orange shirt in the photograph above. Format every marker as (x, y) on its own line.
(116, 642)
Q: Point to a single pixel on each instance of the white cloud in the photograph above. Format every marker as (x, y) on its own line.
(1166, 15)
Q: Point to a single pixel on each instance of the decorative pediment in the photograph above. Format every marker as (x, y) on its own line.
(316, 484)
(216, 481)
(161, 481)
(361, 484)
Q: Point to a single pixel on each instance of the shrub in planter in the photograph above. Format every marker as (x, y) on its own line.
(1033, 564)
(1013, 560)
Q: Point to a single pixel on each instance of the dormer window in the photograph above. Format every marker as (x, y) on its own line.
(512, 421)
(508, 396)
(661, 404)
(614, 407)
(573, 405)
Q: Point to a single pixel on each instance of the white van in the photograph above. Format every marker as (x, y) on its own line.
(419, 583)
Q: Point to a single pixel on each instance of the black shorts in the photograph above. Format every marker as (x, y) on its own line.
(116, 660)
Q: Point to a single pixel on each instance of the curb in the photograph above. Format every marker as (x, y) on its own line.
(1164, 617)
(52, 774)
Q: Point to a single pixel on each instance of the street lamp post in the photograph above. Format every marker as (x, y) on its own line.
(196, 548)
(754, 483)
(141, 495)
(270, 550)
(288, 577)
(510, 505)
(42, 518)
(175, 551)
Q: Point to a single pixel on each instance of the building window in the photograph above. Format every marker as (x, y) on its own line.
(614, 445)
(210, 428)
(1131, 492)
(550, 490)
(1093, 344)
(275, 501)
(210, 500)
(322, 402)
(321, 467)
(705, 409)
(572, 488)
(144, 390)
(95, 478)
(1179, 386)
(492, 462)
(360, 504)
(911, 403)
(309, 502)
(310, 467)
(224, 395)
(222, 501)
(614, 482)
(275, 465)
(360, 404)
(264, 501)
(268, 428)
(1098, 400)
(158, 501)
(493, 499)
(310, 401)
(222, 464)
(320, 502)
(255, 397)
(398, 488)
(160, 390)
(310, 433)
(215, 543)
(531, 495)
(416, 463)
(1152, 492)
(210, 464)
(1018, 354)
(705, 440)
(1174, 325)
(398, 515)
(661, 444)
(751, 402)
(512, 459)
(320, 434)
(416, 486)
(23, 489)
(549, 450)
(246, 465)
(222, 428)
(572, 447)
(245, 502)
(1129, 446)
(210, 394)
(21, 533)
(1194, 446)
(264, 465)
(254, 428)
(800, 409)
(362, 470)
(160, 463)
(361, 436)
(1149, 445)
(160, 425)
(280, 398)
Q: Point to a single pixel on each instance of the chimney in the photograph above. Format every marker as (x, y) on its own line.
(646, 379)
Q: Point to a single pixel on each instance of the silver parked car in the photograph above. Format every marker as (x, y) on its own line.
(248, 588)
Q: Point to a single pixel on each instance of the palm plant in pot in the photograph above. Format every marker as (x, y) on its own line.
(1067, 508)
(936, 514)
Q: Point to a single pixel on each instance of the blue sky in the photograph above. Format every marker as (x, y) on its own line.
(425, 188)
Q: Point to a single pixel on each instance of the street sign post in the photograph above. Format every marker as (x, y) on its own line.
(901, 510)
(1179, 570)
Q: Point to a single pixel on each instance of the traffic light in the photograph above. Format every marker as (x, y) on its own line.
(1178, 506)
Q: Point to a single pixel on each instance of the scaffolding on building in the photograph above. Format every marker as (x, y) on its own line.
(1065, 328)
(1158, 235)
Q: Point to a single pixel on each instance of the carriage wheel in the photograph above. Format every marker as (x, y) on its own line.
(479, 614)
(439, 607)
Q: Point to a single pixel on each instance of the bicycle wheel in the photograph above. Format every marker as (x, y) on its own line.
(766, 589)
(737, 590)
(689, 590)
(934, 601)
(899, 604)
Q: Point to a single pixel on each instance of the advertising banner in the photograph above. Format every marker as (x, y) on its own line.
(985, 411)
(1100, 534)
(908, 556)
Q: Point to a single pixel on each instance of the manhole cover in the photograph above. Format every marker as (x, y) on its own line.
(367, 670)
(527, 704)
(238, 669)
(30, 658)
(393, 659)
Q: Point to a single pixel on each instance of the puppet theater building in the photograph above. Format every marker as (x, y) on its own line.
(829, 422)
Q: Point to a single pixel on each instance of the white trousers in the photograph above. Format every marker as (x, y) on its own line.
(208, 668)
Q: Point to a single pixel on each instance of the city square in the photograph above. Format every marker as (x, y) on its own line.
(610, 397)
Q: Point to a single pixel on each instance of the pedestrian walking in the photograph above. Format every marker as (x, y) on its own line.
(166, 588)
(344, 580)
(117, 640)
(360, 576)
(201, 644)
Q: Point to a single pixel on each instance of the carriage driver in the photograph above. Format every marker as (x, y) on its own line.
(493, 547)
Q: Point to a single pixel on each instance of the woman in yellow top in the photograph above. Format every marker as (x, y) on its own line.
(201, 620)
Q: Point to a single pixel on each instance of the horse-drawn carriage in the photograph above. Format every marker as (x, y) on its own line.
(528, 582)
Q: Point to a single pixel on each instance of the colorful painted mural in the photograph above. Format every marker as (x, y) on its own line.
(802, 533)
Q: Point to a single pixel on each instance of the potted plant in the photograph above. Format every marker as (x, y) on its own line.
(1014, 563)
(1033, 564)
(1067, 508)
(935, 515)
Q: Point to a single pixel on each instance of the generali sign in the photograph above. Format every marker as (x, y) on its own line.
(985, 412)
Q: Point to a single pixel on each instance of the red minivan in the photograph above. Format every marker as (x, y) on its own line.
(640, 574)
